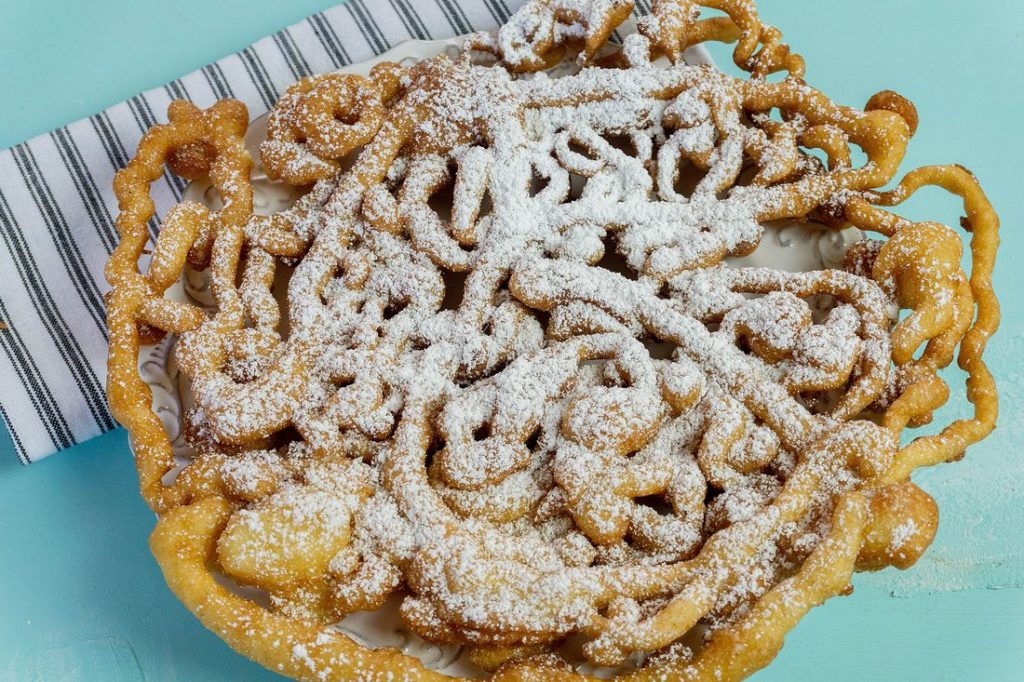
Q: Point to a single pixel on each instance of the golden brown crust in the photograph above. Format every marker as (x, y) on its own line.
(519, 489)
(136, 300)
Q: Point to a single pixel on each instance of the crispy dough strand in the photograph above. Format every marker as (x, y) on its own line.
(824, 574)
(674, 25)
(131, 302)
(483, 415)
(184, 544)
(983, 224)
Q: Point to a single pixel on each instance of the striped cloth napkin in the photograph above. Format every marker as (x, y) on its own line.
(57, 208)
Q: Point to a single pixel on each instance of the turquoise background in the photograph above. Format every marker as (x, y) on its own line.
(80, 596)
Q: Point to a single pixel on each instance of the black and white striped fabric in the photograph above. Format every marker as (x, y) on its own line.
(57, 208)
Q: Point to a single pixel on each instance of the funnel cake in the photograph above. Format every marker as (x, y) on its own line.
(513, 386)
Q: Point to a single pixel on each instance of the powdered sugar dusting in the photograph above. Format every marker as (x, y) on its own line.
(465, 407)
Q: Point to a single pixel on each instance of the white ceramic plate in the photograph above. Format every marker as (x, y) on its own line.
(795, 247)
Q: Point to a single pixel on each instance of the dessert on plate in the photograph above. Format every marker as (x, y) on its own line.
(503, 372)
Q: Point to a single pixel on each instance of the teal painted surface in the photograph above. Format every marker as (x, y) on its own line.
(81, 598)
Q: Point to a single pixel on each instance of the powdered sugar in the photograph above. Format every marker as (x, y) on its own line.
(521, 465)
